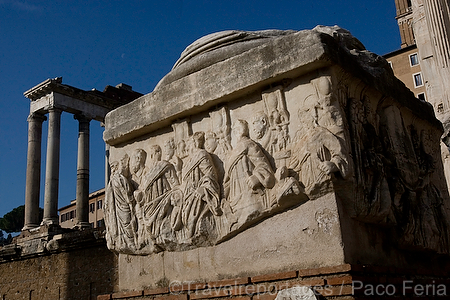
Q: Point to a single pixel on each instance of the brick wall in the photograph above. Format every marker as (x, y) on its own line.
(80, 273)
(339, 282)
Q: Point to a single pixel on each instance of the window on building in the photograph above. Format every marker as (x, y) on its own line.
(72, 214)
(100, 223)
(92, 207)
(421, 96)
(413, 59)
(63, 218)
(418, 79)
(99, 204)
(440, 108)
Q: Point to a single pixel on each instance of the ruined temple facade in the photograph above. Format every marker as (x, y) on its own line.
(276, 140)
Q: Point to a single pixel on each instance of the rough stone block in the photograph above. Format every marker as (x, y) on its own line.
(272, 151)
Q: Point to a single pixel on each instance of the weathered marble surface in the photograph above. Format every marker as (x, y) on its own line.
(250, 125)
(297, 293)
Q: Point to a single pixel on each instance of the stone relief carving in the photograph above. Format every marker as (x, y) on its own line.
(417, 203)
(201, 200)
(278, 121)
(181, 131)
(155, 195)
(170, 155)
(248, 174)
(393, 170)
(219, 136)
(120, 214)
(199, 190)
(319, 150)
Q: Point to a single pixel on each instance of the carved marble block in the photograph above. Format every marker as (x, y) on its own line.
(252, 132)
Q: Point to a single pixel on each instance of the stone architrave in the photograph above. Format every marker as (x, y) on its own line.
(331, 160)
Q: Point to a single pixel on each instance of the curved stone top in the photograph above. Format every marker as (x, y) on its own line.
(222, 39)
(219, 46)
(216, 47)
(221, 66)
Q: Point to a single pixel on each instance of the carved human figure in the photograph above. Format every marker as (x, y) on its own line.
(138, 168)
(418, 202)
(247, 176)
(211, 142)
(319, 151)
(169, 155)
(211, 145)
(278, 118)
(154, 192)
(119, 209)
(261, 131)
(201, 200)
(181, 151)
(220, 128)
(426, 227)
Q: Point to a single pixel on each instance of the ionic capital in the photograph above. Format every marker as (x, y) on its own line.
(82, 118)
(36, 117)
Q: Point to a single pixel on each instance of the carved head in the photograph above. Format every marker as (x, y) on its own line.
(211, 141)
(181, 149)
(169, 148)
(114, 167)
(199, 139)
(260, 123)
(125, 165)
(155, 153)
(138, 160)
(240, 128)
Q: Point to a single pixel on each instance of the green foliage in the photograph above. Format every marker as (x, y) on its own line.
(15, 219)
(3, 240)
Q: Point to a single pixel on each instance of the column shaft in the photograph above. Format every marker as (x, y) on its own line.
(33, 175)
(107, 167)
(52, 168)
(83, 172)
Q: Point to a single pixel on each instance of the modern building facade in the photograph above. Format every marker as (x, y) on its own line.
(68, 214)
(405, 63)
(424, 27)
(423, 62)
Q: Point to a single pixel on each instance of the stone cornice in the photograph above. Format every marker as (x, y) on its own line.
(55, 85)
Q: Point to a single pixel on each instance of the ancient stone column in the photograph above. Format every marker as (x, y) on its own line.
(33, 178)
(52, 168)
(107, 167)
(437, 14)
(83, 172)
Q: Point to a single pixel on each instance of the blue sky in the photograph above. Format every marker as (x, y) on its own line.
(92, 44)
